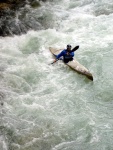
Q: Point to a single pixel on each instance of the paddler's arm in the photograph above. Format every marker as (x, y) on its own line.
(58, 56)
(72, 54)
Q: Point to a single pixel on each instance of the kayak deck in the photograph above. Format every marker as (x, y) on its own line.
(75, 65)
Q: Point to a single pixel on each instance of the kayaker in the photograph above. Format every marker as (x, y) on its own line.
(66, 54)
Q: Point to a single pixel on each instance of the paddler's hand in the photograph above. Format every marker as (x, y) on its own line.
(54, 60)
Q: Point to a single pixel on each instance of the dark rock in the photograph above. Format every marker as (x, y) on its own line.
(15, 19)
(4, 6)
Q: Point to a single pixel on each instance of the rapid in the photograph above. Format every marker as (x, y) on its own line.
(51, 107)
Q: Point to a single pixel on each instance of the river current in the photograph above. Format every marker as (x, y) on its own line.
(51, 107)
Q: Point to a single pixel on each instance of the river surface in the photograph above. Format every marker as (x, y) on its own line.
(51, 107)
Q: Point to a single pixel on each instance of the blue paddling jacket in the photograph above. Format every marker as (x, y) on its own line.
(66, 56)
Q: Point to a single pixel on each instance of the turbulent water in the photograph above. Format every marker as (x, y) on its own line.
(51, 107)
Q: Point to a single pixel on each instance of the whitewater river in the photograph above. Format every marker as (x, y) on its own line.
(51, 107)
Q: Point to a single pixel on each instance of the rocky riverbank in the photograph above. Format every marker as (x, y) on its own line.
(15, 16)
